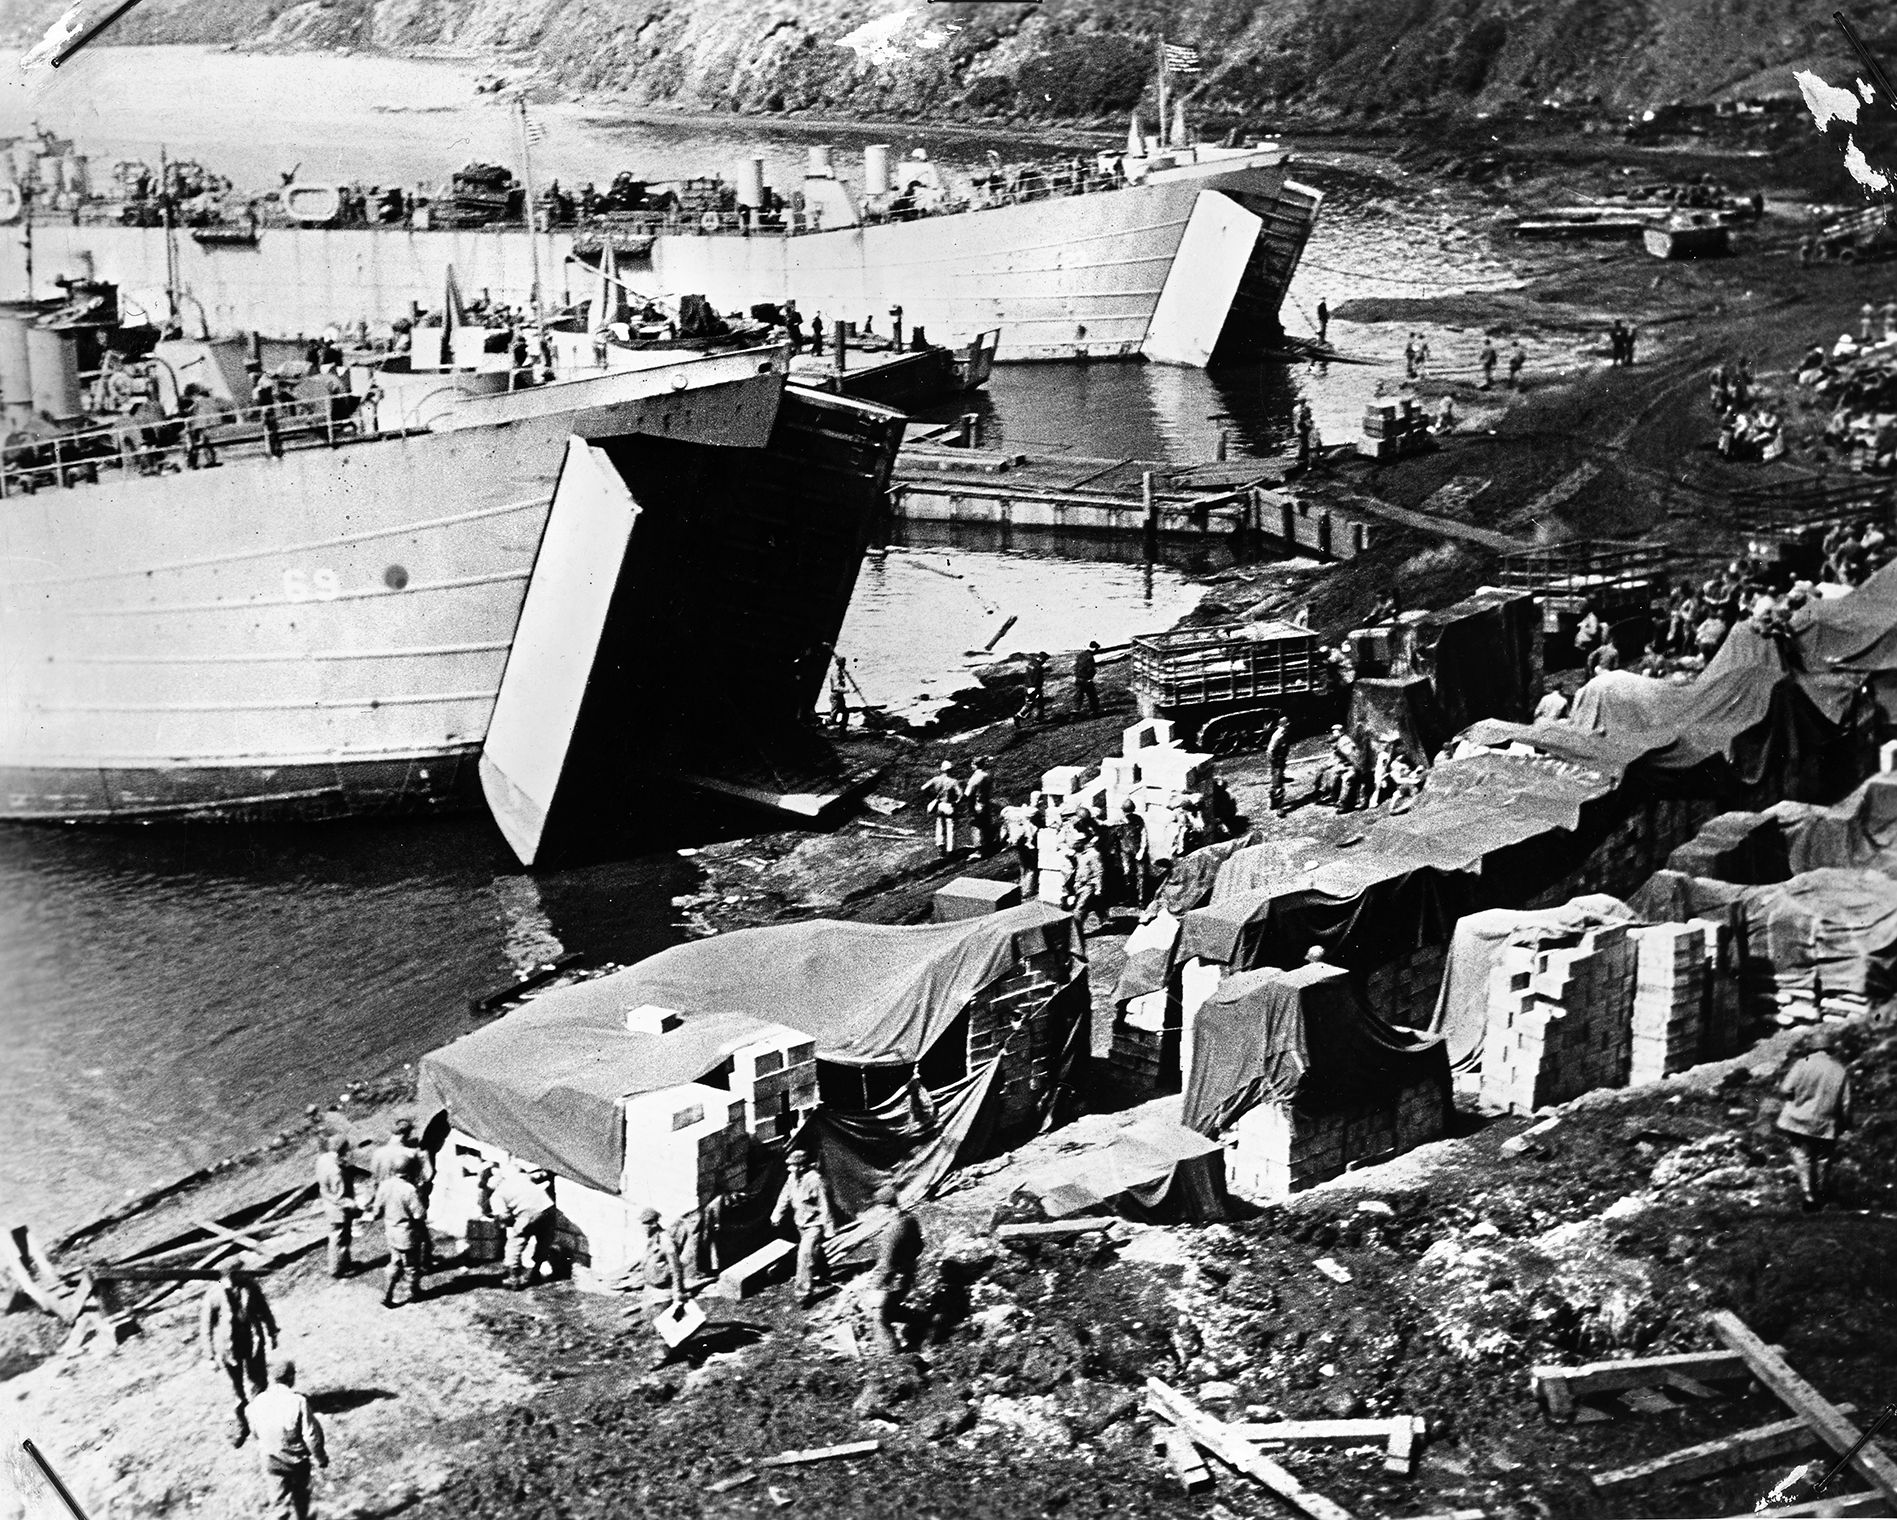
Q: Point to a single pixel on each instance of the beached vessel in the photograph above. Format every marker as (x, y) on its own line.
(1180, 254)
(324, 632)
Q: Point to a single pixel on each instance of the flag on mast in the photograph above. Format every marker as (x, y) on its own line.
(1181, 60)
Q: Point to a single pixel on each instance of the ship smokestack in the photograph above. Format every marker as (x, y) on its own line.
(751, 184)
(876, 169)
(1135, 139)
(820, 165)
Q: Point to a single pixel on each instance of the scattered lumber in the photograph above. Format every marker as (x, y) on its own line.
(820, 1454)
(1399, 1456)
(1805, 1401)
(725, 1485)
(249, 1242)
(1236, 1452)
(151, 1272)
(1762, 1443)
(1324, 1432)
(33, 1274)
(1187, 1465)
(1556, 1388)
(1050, 1229)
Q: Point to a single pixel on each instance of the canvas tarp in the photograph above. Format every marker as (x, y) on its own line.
(1462, 1006)
(1303, 1036)
(1364, 910)
(1149, 953)
(1150, 1169)
(1833, 927)
(547, 1081)
(1482, 656)
(1860, 831)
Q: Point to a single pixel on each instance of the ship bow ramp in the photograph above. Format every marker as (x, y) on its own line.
(680, 616)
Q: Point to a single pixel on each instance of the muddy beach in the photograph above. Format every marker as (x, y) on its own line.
(1610, 1234)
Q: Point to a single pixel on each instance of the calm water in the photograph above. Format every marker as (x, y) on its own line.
(167, 996)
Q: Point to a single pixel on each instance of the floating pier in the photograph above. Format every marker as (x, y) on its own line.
(1068, 493)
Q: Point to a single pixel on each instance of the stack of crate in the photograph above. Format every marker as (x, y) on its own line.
(1560, 1020)
(1390, 430)
(1013, 1020)
(1405, 991)
(1144, 1053)
(684, 1146)
(776, 1077)
(1279, 1148)
(1669, 1014)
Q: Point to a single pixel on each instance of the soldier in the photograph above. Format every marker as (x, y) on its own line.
(1084, 692)
(289, 1439)
(1088, 886)
(899, 1250)
(979, 793)
(338, 1191)
(1817, 1093)
(404, 1218)
(1036, 704)
(805, 1201)
(1323, 321)
(944, 801)
(1277, 757)
(840, 695)
(525, 1207)
(1517, 358)
(1130, 846)
(235, 1323)
(662, 1266)
(1488, 364)
(1306, 422)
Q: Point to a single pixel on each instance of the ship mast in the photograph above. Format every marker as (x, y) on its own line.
(171, 235)
(533, 232)
(1164, 127)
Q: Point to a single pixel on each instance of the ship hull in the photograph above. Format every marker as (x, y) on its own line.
(1062, 277)
(315, 635)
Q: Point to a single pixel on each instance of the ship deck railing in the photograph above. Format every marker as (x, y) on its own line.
(157, 446)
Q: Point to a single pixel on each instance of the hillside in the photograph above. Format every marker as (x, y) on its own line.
(1069, 59)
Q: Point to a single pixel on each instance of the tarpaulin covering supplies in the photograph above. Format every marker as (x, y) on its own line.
(547, 1081)
(1859, 831)
(1150, 1169)
(1766, 716)
(1299, 1036)
(1833, 927)
(1399, 710)
(1363, 910)
(1482, 657)
(1462, 1007)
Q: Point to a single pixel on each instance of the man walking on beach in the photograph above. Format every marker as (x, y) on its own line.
(1516, 360)
(1131, 846)
(234, 1323)
(289, 1439)
(805, 1202)
(899, 1250)
(1488, 364)
(1323, 322)
(1817, 1093)
(840, 695)
(1084, 691)
(1306, 422)
(338, 1191)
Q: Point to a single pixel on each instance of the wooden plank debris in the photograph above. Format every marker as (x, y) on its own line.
(1187, 1465)
(1646, 1400)
(1804, 1400)
(1762, 1443)
(821, 1454)
(1050, 1229)
(725, 1485)
(1332, 1270)
(1236, 1452)
(1399, 1457)
(249, 1242)
(1370, 1432)
(1558, 1387)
